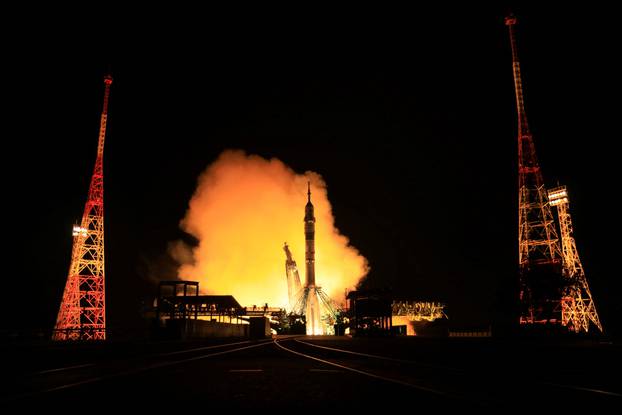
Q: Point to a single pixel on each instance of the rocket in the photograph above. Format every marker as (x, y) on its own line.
(312, 314)
(309, 240)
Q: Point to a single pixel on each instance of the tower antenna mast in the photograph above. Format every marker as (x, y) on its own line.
(82, 313)
(539, 254)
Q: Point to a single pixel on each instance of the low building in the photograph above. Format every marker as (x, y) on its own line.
(370, 312)
(182, 313)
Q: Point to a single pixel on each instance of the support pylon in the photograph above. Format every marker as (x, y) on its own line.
(578, 307)
(539, 256)
(82, 313)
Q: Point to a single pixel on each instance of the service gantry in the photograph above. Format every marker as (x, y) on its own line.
(82, 313)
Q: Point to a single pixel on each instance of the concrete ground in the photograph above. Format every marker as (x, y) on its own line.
(324, 373)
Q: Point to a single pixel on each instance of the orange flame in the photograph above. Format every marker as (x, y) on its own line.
(243, 210)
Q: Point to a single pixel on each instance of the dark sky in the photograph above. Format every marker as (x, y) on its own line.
(409, 116)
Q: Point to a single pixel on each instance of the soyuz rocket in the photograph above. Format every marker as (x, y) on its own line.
(313, 317)
(309, 241)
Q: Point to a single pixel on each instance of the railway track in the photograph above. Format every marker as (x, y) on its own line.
(300, 368)
(490, 387)
(51, 380)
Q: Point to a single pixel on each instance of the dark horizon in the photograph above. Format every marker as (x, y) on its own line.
(412, 125)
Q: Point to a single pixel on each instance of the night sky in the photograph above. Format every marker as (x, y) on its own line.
(409, 117)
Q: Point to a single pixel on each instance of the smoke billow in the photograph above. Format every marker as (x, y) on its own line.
(243, 210)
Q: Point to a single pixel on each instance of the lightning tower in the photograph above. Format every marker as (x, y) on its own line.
(82, 313)
(578, 307)
(539, 256)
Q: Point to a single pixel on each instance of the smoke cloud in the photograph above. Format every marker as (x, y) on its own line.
(243, 210)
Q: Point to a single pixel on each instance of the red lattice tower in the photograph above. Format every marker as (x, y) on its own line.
(542, 281)
(82, 313)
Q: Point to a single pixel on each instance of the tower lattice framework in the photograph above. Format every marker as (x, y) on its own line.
(82, 313)
(578, 307)
(541, 277)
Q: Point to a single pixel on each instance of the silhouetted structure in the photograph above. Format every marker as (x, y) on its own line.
(181, 300)
(181, 313)
(370, 312)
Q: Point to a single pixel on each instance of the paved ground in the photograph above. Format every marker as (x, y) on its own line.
(335, 373)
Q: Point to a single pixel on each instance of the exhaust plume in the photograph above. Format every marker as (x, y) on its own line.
(243, 210)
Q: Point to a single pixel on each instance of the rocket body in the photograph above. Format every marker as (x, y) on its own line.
(312, 312)
(309, 244)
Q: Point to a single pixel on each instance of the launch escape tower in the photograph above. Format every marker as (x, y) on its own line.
(549, 291)
(82, 313)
